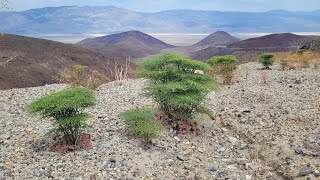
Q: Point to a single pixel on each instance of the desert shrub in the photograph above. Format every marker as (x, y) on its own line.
(175, 85)
(65, 107)
(224, 66)
(296, 60)
(82, 76)
(267, 59)
(142, 123)
(284, 64)
(264, 76)
(301, 51)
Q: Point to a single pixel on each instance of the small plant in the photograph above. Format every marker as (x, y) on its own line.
(142, 123)
(264, 76)
(267, 60)
(225, 67)
(175, 85)
(66, 107)
(121, 72)
(284, 64)
(305, 64)
(82, 76)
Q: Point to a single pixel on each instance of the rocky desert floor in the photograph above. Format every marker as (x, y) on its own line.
(259, 131)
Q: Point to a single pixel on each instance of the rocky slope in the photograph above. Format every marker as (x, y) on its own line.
(260, 131)
(28, 62)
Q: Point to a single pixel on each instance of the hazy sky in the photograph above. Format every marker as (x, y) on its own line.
(158, 5)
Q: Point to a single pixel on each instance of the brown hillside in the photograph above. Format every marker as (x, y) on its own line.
(27, 62)
(219, 38)
(133, 44)
(273, 41)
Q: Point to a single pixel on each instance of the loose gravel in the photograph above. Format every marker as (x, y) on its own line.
(260, 131)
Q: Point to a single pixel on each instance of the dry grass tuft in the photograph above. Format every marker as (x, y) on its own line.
(121, 72)
(296, 60)
(264, 74)
(224, 73)
(82, 76)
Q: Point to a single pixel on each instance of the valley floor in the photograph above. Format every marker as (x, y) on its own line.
(260, 131)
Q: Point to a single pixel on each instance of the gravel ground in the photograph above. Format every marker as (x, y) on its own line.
(260, 131)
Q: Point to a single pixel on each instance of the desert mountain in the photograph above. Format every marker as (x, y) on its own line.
(133, 44)
(27, 62)
(283, 40)
(219, 38)
(86, 20)
(250, 48)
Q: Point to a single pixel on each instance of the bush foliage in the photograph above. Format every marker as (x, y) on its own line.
(175, 85)
(267, 59)
(224, 66)
(142, 122)
(227, 59)
(66, 108)
(82, 76)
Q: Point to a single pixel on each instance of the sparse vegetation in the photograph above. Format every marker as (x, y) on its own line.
(82, 76)
(121, 72)
(224, 67)
(283, 64)
(175, 85)
(267, 60)
(142, 123)
(264, 76)
(66, 108)
(299, 60)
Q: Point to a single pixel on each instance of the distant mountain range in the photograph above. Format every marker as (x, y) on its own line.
(86, 20)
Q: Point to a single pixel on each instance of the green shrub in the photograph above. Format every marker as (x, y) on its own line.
(66, 107)
(224, 66)
(175, 85)
(284, 64)
(267, 59)
(141, 121)
(227, 59)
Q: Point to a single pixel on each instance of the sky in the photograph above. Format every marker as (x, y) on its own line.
(159, 5)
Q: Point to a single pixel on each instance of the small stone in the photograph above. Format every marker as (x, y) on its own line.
(200, 150)
(113, 160)
(305, 171)
(262, 172)
(248, 177)
(233, 140)
(106, 145)
(224, 129)
(215, 168)
(298, 150)
(177, 138)
(243, 146)
(317, 173)
(181, 158)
